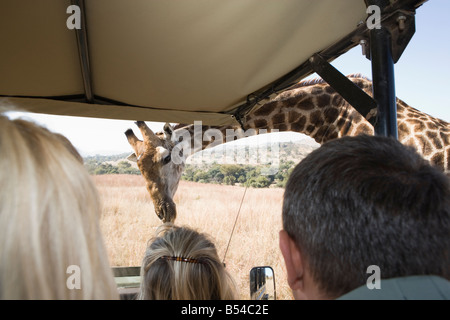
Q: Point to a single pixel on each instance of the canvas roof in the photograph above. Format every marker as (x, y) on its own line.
(155, 60)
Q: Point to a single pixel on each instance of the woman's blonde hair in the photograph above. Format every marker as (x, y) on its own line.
(50, 240)
(182, 264)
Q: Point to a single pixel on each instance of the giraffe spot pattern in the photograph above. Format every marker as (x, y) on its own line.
(427, 148)
(266, 109)
(293, 116)
(323, 100)
(433, 139)
(278, 118)
(260, 123)
(299, 125)
(438, 160)
(316, 118)
(331, 114)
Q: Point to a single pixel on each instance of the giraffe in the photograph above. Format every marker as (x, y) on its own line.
(154, 159)
(310, 107)
(314, 108)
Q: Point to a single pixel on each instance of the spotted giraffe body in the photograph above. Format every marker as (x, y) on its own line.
(429, 135)
(314, 108)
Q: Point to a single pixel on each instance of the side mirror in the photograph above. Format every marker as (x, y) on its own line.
(262, 284)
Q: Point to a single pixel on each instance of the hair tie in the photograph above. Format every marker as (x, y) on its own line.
(182, 259)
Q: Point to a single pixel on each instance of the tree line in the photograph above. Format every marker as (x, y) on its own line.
(254, 176)
(102, 165)
(228, 174)
(238, 174)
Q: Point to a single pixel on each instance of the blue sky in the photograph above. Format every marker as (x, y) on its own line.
(422, 81)
(422, 75)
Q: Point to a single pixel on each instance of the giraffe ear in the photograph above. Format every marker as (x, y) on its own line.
(168, 131)
(132, 157)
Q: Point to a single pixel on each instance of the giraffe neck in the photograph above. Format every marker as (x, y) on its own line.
(199, 137)
(312, 108)
(315, 109)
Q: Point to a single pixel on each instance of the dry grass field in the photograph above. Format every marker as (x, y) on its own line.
(128, 221)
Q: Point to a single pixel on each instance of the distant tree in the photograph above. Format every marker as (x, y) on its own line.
(231, 170)
(106, 168)
(201, 176)
(230, 180)
(215, 174)
(260, 182)
(124, 167)
(242, 179)
(188, 173)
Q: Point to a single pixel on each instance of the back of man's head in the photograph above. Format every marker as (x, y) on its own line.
(361, 201)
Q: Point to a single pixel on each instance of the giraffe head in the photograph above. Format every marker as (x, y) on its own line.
(153, 157)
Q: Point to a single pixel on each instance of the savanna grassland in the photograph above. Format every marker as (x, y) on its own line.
(129, 221)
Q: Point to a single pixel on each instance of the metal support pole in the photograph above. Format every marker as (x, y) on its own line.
(383, 78)
(83, 52)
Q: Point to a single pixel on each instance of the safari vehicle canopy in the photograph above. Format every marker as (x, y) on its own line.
(180, 61)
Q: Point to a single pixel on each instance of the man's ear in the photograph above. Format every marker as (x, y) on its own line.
(294, 264)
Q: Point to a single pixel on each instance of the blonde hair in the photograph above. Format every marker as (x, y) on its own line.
(182, 264)
(49, 218)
